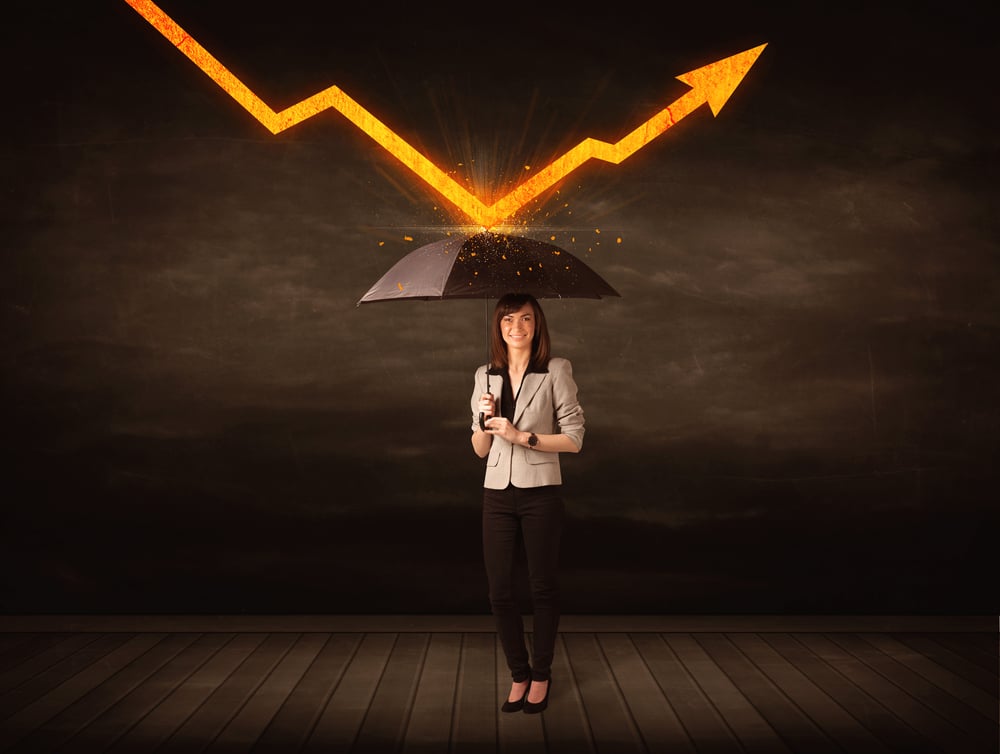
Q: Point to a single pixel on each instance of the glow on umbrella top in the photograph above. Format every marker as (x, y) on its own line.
(488, 265)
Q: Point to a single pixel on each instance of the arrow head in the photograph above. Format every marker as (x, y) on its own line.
(717, 81)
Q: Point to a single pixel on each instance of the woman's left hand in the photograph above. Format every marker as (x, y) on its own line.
(501, 427)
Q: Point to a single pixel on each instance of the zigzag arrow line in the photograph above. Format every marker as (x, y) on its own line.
(711, 84)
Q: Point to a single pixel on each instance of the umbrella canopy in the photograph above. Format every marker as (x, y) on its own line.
(488, 265)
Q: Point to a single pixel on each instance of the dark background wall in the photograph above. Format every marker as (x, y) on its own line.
(792, 407)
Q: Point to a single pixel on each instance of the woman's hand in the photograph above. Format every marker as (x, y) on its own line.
(483, 440)
(487, 405)
(498, 426)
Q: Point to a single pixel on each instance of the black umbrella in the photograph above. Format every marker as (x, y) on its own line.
(488, 265)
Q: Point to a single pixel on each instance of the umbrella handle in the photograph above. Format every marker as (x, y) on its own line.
(482, 416)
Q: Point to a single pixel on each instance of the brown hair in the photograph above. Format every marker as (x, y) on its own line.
(540, 344)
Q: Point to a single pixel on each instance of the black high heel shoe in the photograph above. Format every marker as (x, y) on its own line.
(518, 705)
(532, 708)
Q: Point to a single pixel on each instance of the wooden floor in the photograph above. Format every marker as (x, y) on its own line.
(436, 686)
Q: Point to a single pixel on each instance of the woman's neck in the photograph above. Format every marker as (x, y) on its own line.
(518, 362)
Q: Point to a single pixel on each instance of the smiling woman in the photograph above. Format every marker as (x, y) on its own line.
(536, 418)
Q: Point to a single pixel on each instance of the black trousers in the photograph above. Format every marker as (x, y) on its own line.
(533, 516)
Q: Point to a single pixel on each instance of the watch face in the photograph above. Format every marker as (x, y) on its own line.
(533, 440)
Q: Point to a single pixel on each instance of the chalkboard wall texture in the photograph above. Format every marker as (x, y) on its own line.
(791, 408)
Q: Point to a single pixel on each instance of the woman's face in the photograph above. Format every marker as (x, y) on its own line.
(518, 328)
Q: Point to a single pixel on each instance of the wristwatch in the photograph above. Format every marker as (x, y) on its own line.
(532, 440)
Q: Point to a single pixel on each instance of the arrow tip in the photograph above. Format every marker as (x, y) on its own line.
(718, 80)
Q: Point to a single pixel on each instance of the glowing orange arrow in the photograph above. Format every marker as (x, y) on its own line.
(712, 84)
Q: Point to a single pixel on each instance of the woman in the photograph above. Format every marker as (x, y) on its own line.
(536, 417)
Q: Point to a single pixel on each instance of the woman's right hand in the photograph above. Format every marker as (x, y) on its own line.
(487, 405)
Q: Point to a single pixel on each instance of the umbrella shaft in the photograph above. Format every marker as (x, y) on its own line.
(482, 419)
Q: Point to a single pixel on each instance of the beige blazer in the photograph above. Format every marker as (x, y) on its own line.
(547, 405)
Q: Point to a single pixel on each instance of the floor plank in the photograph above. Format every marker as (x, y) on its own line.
(941, 677)
(290, 727)
(694, 710)
(47, 706)
(474, 725)
(113, 723)
(885, 726)
(430, 722)
(611, 722)
(921, 718)
(39, 662)
(970, 725)
(76, 716)
(820, 706)
(658, 725)
(985, 641)
(272, 690)
(941, 654)
(201, 727)
(567, 730)
(389, 712)
(182, 701)
(21, 647)
(794, 727)
(341, 719)
(750, 727)
(978, 652)
(41, 683)
(11, 640)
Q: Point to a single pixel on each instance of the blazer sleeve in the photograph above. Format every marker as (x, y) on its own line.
(566, 405)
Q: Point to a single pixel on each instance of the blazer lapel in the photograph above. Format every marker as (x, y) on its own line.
(529, 386)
